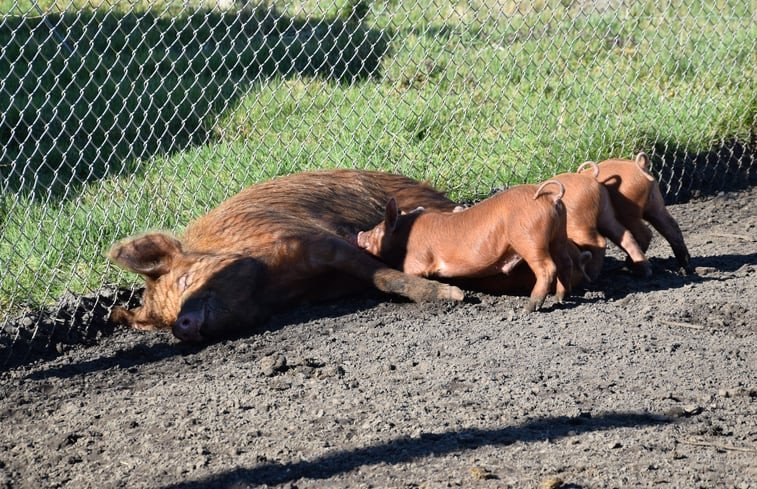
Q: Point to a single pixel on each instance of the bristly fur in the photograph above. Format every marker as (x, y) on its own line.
(271, 245)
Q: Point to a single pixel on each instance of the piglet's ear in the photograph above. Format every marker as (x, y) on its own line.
(151, 255)
(392, 214)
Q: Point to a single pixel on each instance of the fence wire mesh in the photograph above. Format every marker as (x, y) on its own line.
(119, 117)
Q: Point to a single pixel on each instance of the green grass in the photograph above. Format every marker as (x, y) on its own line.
(145, 118)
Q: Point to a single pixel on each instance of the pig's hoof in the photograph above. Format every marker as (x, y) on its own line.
(451, 292)
(643, 269)
(144, 327)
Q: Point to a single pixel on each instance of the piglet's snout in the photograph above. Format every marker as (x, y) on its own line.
(362, 239)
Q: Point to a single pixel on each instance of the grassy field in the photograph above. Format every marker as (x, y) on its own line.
(133, 116)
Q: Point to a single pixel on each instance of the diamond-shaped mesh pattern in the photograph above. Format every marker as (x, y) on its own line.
(118, 117)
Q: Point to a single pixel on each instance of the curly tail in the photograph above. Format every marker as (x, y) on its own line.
(642, 161)
(551, 182)
(586, 164)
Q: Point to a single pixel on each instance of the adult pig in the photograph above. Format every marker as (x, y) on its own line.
(272, 245)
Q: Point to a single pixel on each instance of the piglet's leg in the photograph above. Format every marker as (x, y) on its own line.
(622, 237)
(545, 271)
(659, 217)
(640, 232)
(564, 269)
(336, 254)
(667, 226)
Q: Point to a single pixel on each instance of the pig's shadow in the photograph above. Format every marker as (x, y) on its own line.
(616, 281)
(135, 349)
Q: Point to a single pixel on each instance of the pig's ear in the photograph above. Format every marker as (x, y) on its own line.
(392, 214)
(584, 260)
(150, 255)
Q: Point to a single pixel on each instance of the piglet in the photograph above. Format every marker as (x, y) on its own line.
(636, 197)
(591, 218)
(523, 223)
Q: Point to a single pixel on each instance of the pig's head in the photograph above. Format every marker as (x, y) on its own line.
(581, 260)
(372, 240)
(200, 296)
(388, 239)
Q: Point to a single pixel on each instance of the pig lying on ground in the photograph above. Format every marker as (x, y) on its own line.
(635, 195)
(490, 238)
(272, 245)
(590, 217)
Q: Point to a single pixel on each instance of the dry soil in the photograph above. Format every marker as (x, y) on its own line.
(630, 383)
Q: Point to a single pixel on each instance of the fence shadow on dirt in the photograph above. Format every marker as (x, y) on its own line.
(428, 444)
(88, 94)
(684, 175)
(73, 320)
(90, 326)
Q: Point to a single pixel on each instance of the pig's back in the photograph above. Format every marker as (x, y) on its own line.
(332, 202)
(625, 181)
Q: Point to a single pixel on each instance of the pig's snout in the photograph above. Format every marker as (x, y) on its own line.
(187, 326)
(362, 240)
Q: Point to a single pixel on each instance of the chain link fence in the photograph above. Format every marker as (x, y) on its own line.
(119, 117)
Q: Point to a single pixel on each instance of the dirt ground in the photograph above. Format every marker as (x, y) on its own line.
(631, 383)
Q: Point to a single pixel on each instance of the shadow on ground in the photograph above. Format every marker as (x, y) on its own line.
(616, 281)
(74, 320)
(88, 324)
(162, 345)
(427, 444)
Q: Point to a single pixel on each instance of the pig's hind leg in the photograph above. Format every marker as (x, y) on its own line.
(545, 271)
(659, 217)
(614, 230)
(640, 232)
(341, 256)
(564, 270)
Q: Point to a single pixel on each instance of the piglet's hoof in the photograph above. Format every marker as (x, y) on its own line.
(643, 269)
(687, 270)
(533, 305)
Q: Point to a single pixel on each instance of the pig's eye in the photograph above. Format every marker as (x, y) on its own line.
(184, 282)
